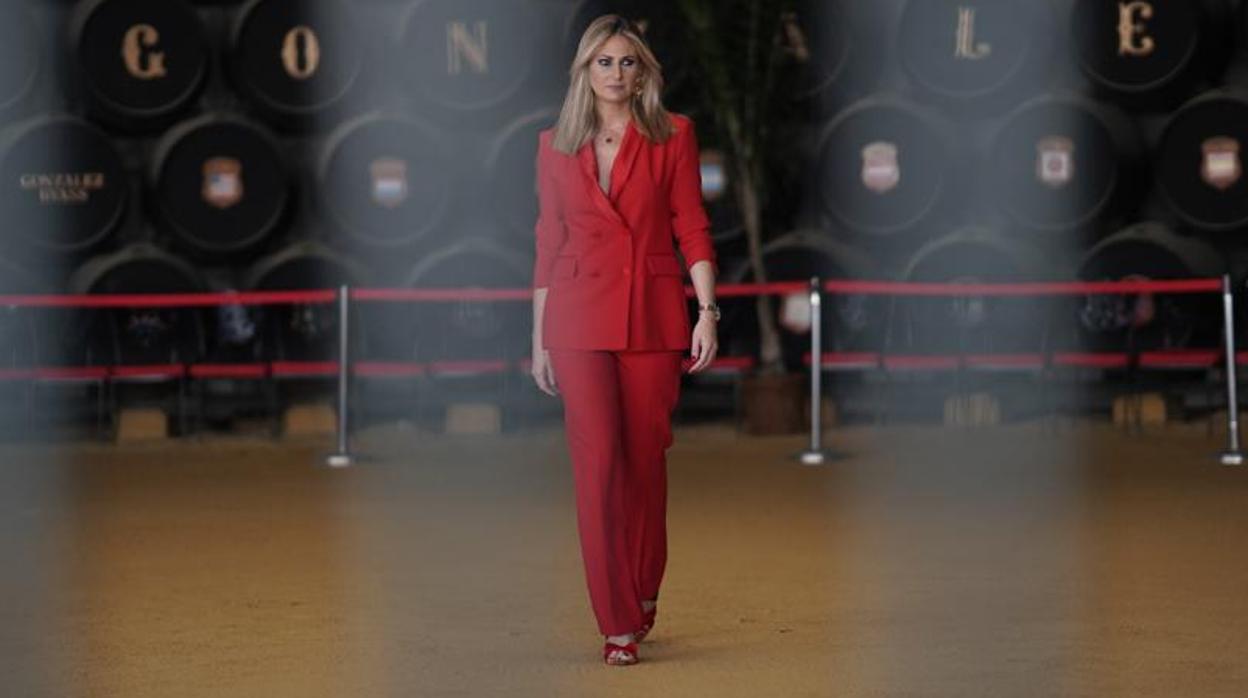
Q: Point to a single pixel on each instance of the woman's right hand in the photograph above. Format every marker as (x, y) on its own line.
(544, 373)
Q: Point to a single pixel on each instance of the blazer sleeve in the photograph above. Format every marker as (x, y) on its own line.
(549, 233)
(690, 224)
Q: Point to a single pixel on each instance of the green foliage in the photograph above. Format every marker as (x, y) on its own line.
(737, 48)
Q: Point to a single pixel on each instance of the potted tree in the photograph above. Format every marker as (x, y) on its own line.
(739, 49)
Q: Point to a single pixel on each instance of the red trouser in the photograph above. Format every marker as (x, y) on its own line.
(617, 410)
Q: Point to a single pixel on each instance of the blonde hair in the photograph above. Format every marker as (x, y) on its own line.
(578, 119)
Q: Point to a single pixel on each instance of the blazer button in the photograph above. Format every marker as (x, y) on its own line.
(625, 271)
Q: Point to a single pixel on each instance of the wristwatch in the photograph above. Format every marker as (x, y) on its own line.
(712, 308)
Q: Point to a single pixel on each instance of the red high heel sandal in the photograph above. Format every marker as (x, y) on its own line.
(620, 655)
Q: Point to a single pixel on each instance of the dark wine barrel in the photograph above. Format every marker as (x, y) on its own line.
(139, 61)
(457, 330)
(1150, 53)
(221, 185)
(300, 331)
(1060, 163)
(1148, 251)
(816, 40)
(1199, 163)
(511, 174)
(19, 55)
(386, 181)
(974, 52)
(139, 335)
(63, 188)
(467, 57)
(298, 61)
(882, 167)
(850, 322)
(992, 324)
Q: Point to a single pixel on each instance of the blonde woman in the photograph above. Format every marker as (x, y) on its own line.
(619, 188)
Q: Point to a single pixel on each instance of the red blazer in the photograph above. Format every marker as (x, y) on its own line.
(610, 261)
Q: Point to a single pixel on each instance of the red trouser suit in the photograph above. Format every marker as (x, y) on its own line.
(616, 324)
(617, 412)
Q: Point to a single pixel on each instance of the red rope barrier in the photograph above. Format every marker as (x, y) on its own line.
(1023, 289)
(773, 288)
(440, 294)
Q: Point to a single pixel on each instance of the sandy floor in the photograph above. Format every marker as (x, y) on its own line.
(926, 562)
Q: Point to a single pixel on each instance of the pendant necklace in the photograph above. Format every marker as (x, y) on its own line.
(609, 137)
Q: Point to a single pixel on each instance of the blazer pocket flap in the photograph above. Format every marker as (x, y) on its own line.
(664, 265)
(565, 267)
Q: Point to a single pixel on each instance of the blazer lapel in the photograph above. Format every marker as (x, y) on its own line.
(624, 159)
(620, 170)
(589, 169)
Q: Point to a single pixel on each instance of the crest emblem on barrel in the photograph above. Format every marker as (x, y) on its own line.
(881, 171)
(389, 181)
(223, 181)
(1220, 166)
(1055, 161)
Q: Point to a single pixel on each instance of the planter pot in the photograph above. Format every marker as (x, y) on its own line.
(773, 403)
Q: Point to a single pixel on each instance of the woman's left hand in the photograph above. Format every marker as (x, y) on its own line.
(703, 345)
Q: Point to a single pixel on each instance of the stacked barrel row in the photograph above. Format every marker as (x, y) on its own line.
(154, 145)
(169, 145)
(975, 140)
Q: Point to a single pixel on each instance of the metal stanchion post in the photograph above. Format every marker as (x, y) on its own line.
(1232, 455)
(342, 456)
(815, 455)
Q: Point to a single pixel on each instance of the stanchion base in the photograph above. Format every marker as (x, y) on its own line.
(1232, 458)
(812, 457)
(339, 460)
(821, 457)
